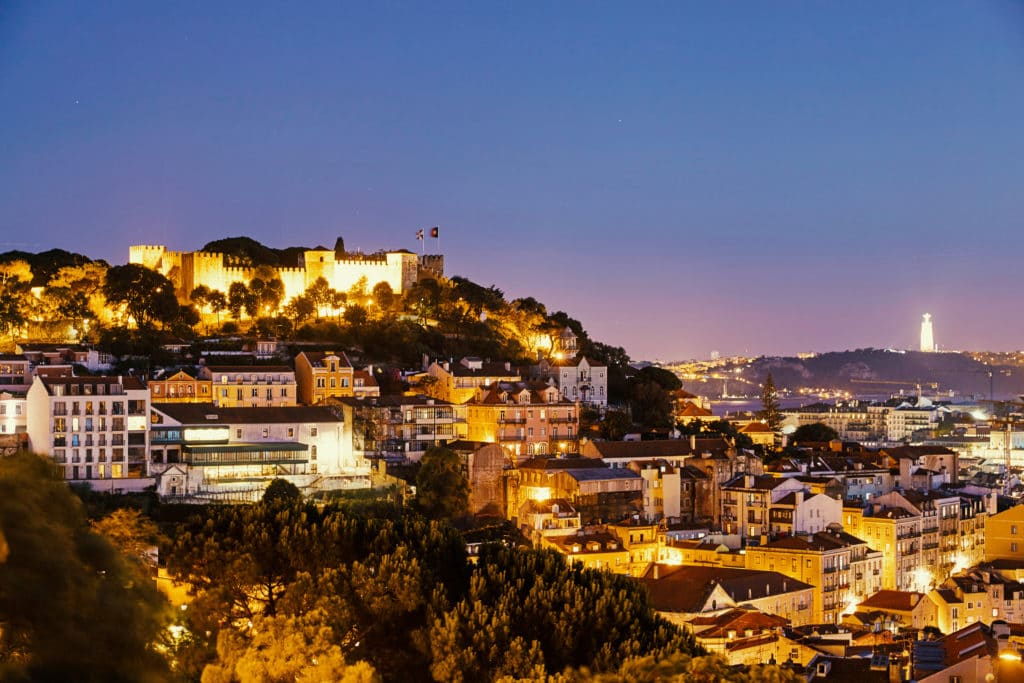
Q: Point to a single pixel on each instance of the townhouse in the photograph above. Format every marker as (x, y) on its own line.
(254, 386)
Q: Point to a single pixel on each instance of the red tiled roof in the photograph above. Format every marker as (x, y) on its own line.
(901, 601)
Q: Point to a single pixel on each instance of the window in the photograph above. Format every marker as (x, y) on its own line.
(334, 382)
(1013, 547)
(266, 432)
(312, 452)
(1013, 529)
(291, 431)
(238, 433)
(312, 431)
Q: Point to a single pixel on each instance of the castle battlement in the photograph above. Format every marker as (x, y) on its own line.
(189, 269)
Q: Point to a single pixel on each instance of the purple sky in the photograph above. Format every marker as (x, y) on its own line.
(680, 176)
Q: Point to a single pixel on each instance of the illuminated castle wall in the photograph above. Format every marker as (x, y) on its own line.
(189, 269)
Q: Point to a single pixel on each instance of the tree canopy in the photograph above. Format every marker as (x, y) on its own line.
(442, 490)
(69, 601)
(816, 431)
(146, 295)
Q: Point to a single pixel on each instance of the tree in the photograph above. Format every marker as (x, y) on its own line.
(816, 431)
(281, 491)
(651, 404)
(134, 534)
(615, 425)
(383, 296)
(300, 309)
(664, 378)
(321, 295)
(301, 648)
(15, 296)
(442, 491)
(218, 302)
(238, 296)
(76, 294)
(528, 614)
(69, 602)
(681, 667)
(770, 411)
(146, 295)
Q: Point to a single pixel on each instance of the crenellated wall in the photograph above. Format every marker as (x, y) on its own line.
(188, 270)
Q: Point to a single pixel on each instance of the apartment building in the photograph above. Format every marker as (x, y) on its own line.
(1004, 535)
(526, 419)
(95, 429)
(459, 382)
(403, 426)
(977, 595)
(253, 386)
(15, 373)
(746, 501)
(841, 567)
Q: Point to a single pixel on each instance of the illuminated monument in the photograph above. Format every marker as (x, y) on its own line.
(927, 338)
(341, 269)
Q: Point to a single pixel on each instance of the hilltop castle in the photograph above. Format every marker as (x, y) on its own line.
(189, 269)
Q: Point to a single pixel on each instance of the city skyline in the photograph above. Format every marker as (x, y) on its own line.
(680, 179)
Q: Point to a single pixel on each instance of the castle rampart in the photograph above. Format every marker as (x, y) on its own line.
(188, 270)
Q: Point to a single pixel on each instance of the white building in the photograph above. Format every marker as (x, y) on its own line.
(94, 428)
(13, 413)
(204, 452)
(902, 421)
(583, 380)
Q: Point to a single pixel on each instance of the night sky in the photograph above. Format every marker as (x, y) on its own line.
(762, 177)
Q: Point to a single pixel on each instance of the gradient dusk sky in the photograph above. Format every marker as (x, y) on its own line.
(760, 177)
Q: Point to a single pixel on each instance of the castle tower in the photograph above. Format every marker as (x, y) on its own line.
(927, 338)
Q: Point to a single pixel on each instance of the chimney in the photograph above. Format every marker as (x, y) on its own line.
(799, 497)
(693, 442)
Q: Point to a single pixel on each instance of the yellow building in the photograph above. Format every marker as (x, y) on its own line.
(593, 550)
(180, 387)
(458, 382)
(641, 540)
(841, 567)
(323, 374)
(1004, 535)
(252, 386)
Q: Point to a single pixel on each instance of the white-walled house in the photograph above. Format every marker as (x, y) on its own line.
(201, 451)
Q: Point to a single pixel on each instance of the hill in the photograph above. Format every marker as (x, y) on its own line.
(875, 371)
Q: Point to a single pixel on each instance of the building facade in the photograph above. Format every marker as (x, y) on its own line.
(95, 429)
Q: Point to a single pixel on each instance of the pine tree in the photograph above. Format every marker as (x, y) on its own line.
(770, 411)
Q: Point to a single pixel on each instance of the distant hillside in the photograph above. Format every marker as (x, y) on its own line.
(959, 372)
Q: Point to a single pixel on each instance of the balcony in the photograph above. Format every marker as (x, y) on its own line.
(513, 437)
(512, 420)
(830, 570)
